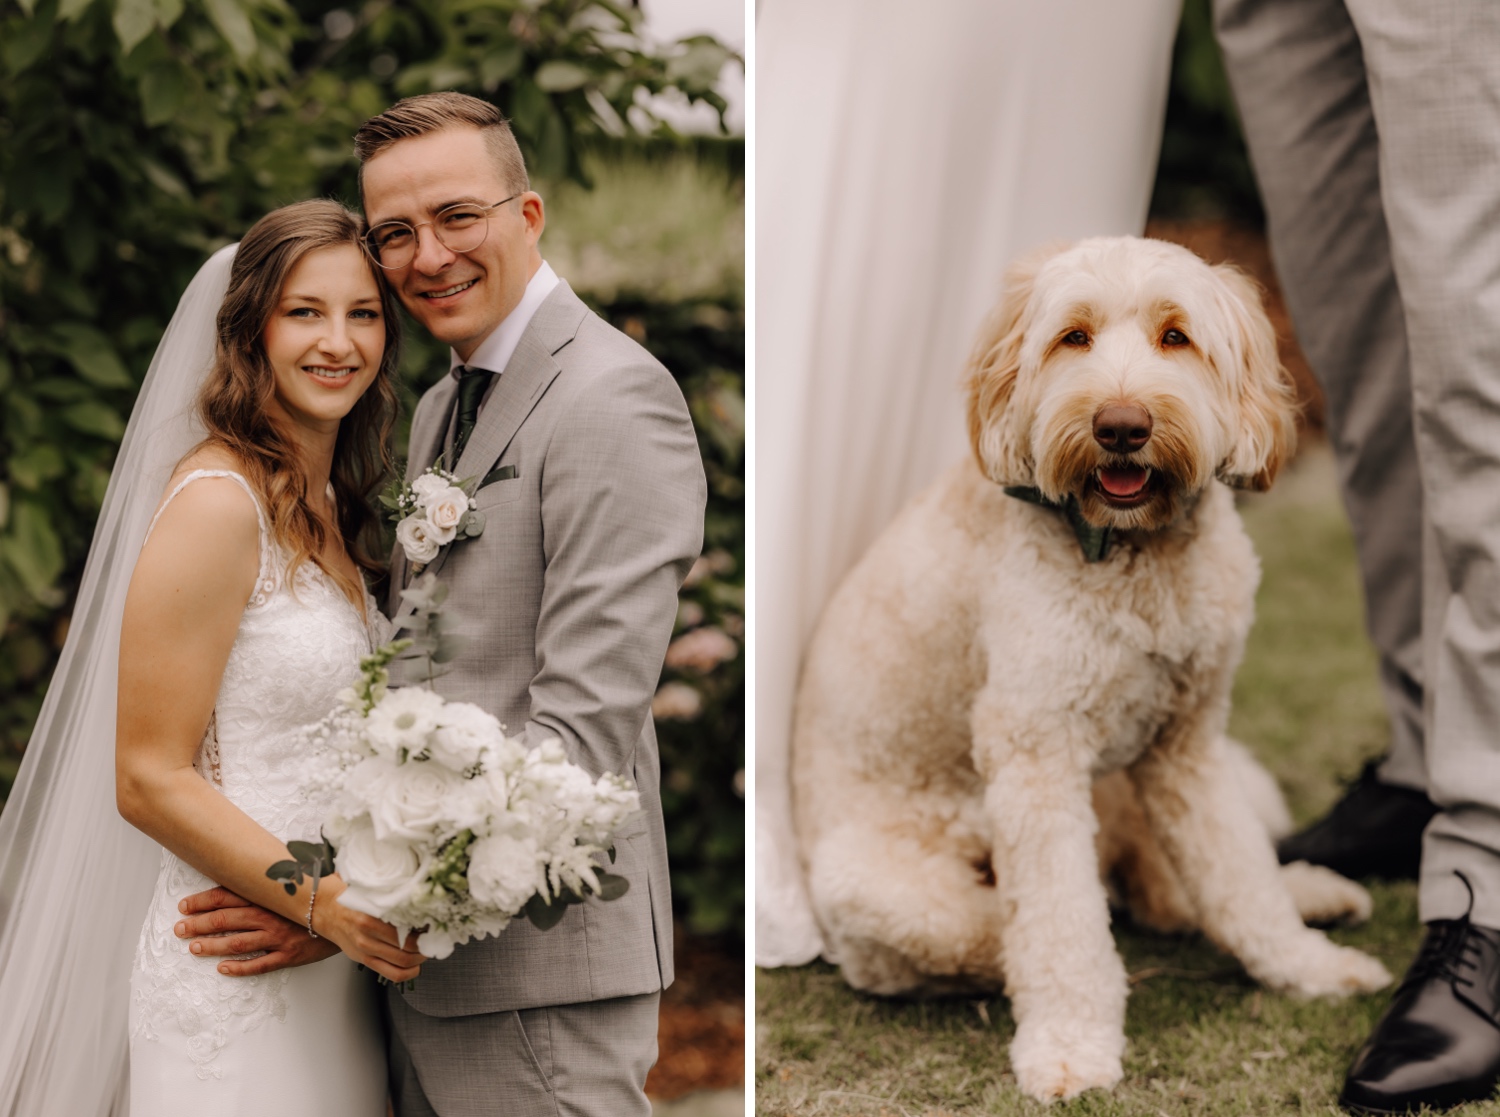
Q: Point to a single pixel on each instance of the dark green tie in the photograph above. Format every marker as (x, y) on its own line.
(471, 385)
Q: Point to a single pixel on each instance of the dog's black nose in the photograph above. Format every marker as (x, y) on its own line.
(1122, 427)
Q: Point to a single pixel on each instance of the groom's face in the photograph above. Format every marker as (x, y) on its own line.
(460, 297)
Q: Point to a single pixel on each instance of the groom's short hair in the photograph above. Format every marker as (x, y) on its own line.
(430, 112)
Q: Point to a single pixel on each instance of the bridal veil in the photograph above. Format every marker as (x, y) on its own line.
(75, 878)
(905, 154)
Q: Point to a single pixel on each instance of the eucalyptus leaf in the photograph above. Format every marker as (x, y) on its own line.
(449, 647)
(612, 887)
(543, 916)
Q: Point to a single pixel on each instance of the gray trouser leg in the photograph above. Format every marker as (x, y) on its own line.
(1299, 78)
(1435, 87)
(1428, 107)
(580, 1060)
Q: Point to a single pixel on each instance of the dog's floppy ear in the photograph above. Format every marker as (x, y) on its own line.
(999, 444)
(1267, 405)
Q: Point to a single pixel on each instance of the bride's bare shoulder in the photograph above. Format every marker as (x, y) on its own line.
(209, 505)
(208, 456)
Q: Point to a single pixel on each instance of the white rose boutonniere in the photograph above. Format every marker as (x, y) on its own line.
(431, 512)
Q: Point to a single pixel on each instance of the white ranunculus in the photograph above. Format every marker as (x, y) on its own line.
(446, 510)
(382, 873)
(417, 539)
(427, 486)
(414, 800)
(403, 719)
(504, 872)
(463, 733)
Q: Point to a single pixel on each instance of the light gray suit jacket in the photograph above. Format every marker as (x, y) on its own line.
(566, 602)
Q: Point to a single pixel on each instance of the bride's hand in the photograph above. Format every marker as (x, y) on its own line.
(369, 941)
(219, 923)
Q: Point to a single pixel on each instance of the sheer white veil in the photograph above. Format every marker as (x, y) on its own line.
(75, 878)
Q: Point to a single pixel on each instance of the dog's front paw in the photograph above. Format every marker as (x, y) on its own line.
(1316, 967)
(1056, 1063)
(1322, 896)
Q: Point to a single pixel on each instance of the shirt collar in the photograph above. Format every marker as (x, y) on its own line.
(495, 351)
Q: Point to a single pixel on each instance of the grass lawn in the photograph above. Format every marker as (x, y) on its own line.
(1203, 1038)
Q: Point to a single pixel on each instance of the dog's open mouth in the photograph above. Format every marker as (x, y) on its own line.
(1124, 486)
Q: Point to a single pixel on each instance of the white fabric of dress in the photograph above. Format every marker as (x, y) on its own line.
(204, 1043)
(906, 154)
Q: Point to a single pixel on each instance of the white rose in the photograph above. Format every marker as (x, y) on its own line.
(446, 510)
(403, 719)
(427, 486)
(505, 872)
(413, 800)
(382, 873)
(416, 539)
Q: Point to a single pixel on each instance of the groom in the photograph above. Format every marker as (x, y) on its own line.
(592, 493)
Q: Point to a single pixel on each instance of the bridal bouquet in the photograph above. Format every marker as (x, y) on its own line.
(439, 820)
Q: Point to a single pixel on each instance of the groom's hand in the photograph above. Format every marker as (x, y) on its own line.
(219, 923)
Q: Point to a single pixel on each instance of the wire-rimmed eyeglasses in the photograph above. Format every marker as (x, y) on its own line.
(460, 228)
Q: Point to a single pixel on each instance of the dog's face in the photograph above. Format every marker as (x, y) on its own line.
(1128, 374)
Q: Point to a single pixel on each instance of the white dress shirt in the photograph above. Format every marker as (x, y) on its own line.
(495, 351)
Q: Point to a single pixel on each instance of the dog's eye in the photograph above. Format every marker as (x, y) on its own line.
(1174, 338)
(1077, 337)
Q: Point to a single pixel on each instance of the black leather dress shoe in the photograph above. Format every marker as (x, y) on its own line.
(1438, 1043)
(1375, 830)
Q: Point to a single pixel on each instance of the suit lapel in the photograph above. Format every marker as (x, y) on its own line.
(524, 381)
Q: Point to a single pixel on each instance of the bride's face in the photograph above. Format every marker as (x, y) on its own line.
(326, 336)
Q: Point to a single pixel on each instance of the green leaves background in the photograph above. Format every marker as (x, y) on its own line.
(136, 136)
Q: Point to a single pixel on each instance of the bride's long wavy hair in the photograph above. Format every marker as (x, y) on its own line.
(233, 404)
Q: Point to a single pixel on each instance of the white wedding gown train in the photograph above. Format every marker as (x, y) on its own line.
(906, 154)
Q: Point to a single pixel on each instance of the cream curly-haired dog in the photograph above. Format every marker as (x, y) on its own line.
(1045, 639)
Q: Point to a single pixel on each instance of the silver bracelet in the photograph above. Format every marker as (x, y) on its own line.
(311, 901)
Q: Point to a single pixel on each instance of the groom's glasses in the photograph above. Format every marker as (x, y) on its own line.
(460, 228)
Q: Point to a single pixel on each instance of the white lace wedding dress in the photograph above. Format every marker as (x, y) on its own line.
(300, 1042)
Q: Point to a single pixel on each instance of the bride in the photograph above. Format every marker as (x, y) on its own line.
(244, 616)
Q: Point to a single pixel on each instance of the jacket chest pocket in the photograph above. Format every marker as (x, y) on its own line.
(497, 493)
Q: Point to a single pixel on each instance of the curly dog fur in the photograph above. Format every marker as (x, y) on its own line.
(989, 726)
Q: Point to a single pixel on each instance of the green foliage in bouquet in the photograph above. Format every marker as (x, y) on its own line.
(309, 859)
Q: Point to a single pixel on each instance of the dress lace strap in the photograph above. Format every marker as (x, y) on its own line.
(265, 577)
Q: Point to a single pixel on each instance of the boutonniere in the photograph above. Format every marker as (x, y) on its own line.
(432, 512)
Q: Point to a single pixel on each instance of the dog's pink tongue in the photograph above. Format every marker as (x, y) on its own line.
(1123, 481)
